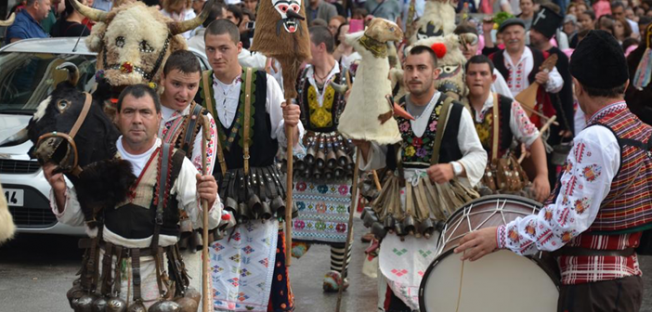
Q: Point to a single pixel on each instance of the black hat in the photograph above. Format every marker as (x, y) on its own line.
(546, 21)
(509, 22)
(599, 61)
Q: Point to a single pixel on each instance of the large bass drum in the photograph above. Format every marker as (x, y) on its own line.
(500, 281)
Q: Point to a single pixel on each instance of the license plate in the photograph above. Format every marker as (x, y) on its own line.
(14, 197)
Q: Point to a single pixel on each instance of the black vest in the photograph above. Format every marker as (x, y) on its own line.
(135, 222)
(505, 135)
(304, 102)
(263, 148)
(449, 150)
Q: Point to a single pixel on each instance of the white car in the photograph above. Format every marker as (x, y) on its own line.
(27, 76)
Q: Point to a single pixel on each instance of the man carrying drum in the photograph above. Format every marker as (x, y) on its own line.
(603, 199)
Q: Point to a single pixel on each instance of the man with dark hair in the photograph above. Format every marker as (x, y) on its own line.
(251, 117)
(470, 49)
(143, 229)
(217, 11)
(27, 21)
(602, 202)
(490, 110)
(234, 14)
(181, 126)
(421, 162)
(321, 106)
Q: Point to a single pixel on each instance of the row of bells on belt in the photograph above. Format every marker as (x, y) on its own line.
(408, 226)
(81, 300)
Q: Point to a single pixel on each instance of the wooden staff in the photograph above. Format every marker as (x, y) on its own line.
(206, 307)
(289, 134)
(349, 234)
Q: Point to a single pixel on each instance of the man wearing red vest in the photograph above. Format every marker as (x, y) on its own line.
(603, 199)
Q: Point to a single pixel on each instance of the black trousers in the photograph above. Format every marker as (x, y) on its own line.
(619, 295)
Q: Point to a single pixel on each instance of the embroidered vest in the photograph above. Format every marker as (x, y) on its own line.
(184, 130)
(135, 218)
(628, 205)
(485, 128)
(417, 151)
(263, 148)
(323, 118)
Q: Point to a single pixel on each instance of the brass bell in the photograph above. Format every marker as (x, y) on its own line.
(187, 304)
(409, 225)
(342, 158)
(193, 294)
(255, 206)
(331, 159)
(99, 305)
(242, 213)
(320, 160)
(84, 303)
(309, 159)
(74, 294)
(399, 229)
(137, 306)
(389, 222)
(165, 306)
(266, 212)
(328, 174)
(426, 228)
(379, 230)
(369, 217)
(116, 305)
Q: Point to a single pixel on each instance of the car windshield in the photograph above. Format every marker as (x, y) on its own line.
(26, 79)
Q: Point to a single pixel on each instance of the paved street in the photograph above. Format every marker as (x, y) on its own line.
(36, 271)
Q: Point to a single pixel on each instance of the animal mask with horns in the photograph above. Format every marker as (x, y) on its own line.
(133, 41)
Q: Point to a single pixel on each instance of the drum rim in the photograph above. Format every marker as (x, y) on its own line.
(440, 257)
(459, 210)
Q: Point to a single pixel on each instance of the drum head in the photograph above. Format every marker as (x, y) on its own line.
(500, 281)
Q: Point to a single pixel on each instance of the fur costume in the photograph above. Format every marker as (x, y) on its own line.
(282, 34)
(133, 41)
(451, 63)
(365, 117)
(8, 22)
(7, 227)
(438, 20)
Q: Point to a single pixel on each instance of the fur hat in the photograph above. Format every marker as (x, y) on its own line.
(599, 62)
(546, 21)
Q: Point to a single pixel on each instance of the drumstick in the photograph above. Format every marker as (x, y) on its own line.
(543, 129)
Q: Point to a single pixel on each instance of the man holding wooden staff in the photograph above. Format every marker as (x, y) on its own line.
(248, 264)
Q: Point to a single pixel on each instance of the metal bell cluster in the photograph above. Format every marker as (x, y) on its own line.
(81, 300)
(329, 157)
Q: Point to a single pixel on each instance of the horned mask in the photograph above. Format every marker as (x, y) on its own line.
(133, 41)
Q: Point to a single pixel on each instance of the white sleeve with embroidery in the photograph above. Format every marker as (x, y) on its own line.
(210, 149)
(273, 101)
(555, 82)
(185, 190)
(522, 128)
(591, 166)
